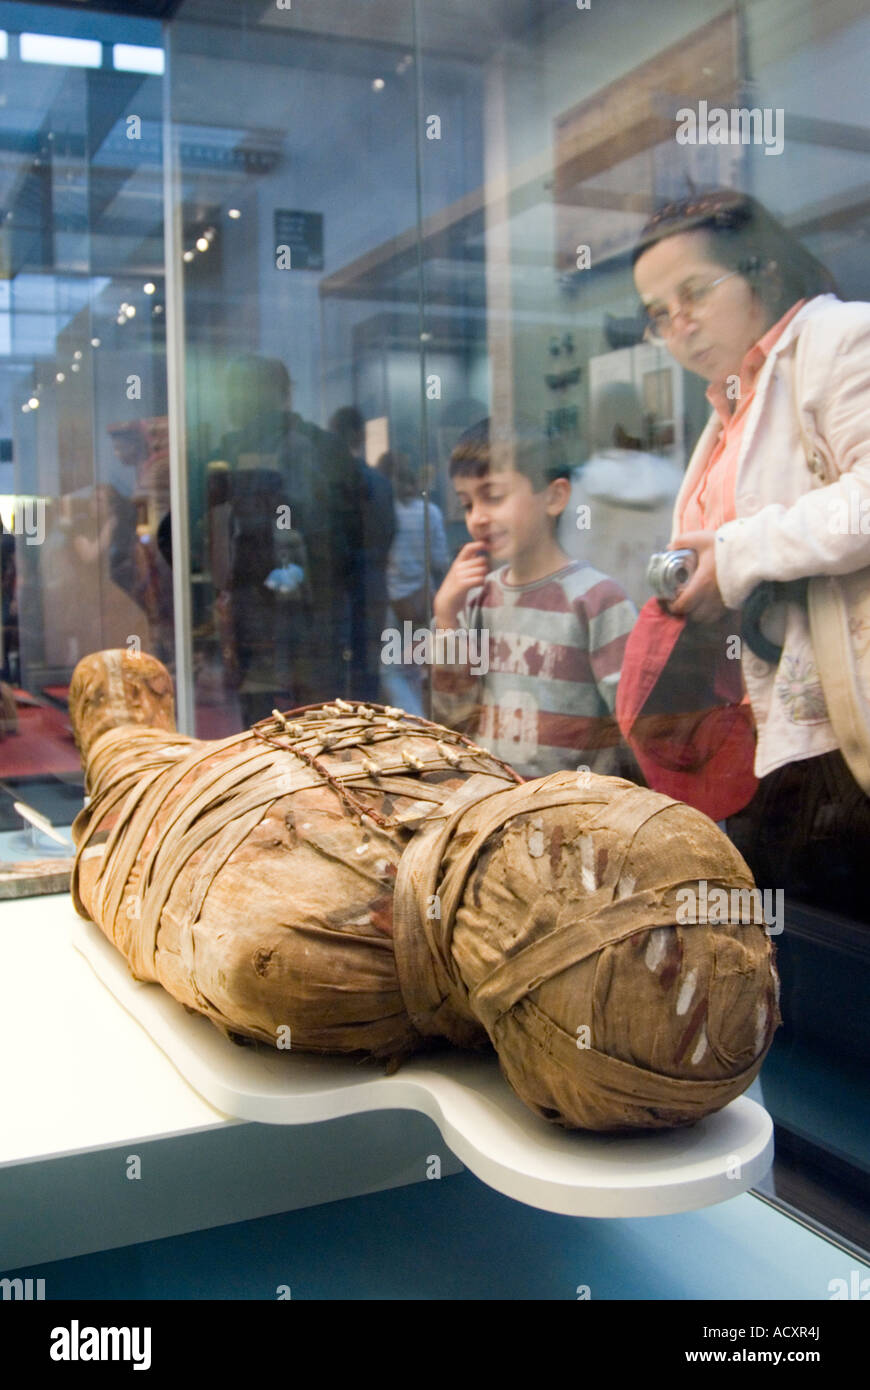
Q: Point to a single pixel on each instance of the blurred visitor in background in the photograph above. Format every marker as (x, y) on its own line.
(286, 540)
(11, 668)
(622, 498)
(409, 596)
(136, 563)
(378, 525)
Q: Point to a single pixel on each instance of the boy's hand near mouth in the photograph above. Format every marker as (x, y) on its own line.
(468, 571)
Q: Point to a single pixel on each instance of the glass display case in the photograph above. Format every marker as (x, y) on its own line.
(278, 283)
(85, 507)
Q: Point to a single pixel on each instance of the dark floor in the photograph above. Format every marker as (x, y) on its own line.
(456, 1239)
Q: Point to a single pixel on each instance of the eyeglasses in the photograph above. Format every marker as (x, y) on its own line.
(660, 323)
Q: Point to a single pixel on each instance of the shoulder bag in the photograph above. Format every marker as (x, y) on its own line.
(839, 615)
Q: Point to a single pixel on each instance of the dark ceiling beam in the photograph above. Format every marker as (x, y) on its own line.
(834, 135)
(135, 9)
(832, 214)
(446, 234)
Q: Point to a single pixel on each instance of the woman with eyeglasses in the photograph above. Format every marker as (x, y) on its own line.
(738, 301)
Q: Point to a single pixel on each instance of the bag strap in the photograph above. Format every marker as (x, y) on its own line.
(828, 608)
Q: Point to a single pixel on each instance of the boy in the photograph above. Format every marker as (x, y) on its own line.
(552, 629)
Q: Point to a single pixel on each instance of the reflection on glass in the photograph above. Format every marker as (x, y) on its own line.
(450, 243)
(292, 523)
(419, 401)
(84, 554)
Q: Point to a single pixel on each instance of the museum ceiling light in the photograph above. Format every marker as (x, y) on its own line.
(66, 53)
(131, 57)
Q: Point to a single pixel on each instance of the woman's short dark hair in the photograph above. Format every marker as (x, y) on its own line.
(745, 237)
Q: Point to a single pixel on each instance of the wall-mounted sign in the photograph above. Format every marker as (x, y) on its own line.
(303, 233)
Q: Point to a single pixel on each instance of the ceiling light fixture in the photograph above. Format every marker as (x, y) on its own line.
(134, 57)
(55, 48)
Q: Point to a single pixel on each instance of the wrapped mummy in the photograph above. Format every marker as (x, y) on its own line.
(376, 884)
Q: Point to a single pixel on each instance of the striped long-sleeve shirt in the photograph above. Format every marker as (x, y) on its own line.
(541, 690)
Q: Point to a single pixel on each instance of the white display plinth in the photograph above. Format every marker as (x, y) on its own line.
(84, 1091)
(480, 1118)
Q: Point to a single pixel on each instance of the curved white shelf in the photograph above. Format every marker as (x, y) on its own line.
(480, 1118)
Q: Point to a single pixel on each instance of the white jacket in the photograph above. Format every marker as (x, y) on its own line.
(789, 521)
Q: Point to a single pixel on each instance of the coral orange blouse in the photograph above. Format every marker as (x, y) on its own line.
(711, 504)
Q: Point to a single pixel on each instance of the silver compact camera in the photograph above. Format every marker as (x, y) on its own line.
(669, 571)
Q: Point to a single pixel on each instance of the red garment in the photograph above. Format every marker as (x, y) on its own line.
(679, 708)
